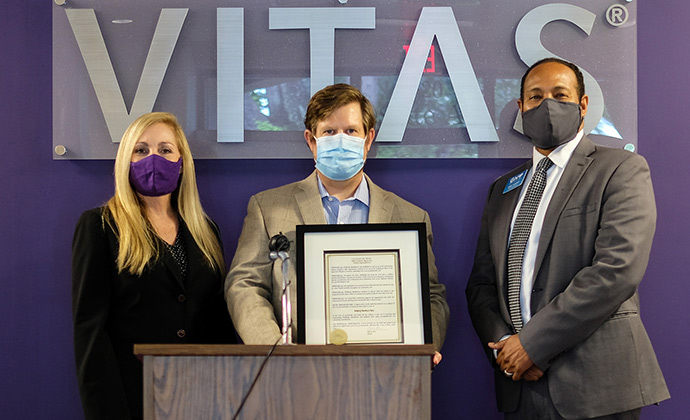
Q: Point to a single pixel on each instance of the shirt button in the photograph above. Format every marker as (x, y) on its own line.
(181, 333)
(181, 298)
(330, 198)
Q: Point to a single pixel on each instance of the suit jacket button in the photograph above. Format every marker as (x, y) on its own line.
(181, 298)
(181, 333)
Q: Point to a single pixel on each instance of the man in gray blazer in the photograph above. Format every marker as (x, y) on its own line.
(339, 131)
(565, 336)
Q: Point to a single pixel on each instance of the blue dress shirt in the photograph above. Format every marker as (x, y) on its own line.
(353, 210)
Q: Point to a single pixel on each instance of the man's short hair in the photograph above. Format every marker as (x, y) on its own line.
(332, 97)
(573, 67)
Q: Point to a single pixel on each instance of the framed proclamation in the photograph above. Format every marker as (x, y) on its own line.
(363, 284)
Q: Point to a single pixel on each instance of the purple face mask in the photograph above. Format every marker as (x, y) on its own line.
(154, 175)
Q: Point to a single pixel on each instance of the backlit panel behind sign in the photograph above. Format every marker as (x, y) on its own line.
(443, 78)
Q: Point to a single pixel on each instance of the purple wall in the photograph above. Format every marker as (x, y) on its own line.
(40, 200)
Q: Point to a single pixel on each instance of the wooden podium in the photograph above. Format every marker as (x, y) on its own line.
(299, 382)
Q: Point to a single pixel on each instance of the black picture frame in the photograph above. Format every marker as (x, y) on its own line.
(313, 240)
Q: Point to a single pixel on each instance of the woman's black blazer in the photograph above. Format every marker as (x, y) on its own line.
(112, 311)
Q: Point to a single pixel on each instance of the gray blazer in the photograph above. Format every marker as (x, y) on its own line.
(253, 285)
(585, 332)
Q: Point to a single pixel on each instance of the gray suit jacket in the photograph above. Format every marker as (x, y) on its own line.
(253, 285)
(585, 332)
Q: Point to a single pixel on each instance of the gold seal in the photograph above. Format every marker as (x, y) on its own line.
(338, 336)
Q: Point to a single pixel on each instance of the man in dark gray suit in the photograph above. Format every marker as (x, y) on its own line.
(553, 291)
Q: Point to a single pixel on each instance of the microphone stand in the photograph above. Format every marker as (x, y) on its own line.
(279, 246)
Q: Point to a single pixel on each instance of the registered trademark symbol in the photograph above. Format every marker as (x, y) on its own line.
(617, 14)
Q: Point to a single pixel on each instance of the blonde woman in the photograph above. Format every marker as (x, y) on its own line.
(147, 267)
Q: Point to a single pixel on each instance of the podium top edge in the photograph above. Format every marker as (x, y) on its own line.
(281, 350)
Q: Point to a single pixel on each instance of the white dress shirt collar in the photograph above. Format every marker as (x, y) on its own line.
(561, 154)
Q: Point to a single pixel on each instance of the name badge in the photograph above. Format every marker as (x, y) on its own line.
(515, 181)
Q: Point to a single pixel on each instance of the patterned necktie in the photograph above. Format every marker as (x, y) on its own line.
(519, 237)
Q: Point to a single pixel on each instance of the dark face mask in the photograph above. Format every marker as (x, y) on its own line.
(552, 123)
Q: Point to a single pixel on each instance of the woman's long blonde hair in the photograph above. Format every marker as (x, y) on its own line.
(125, 212)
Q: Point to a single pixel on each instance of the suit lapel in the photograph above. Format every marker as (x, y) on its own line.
(309, 202)
(574, 170)
(380, 207)
(500, 222)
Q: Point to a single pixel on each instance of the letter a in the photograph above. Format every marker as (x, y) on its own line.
(439, 22)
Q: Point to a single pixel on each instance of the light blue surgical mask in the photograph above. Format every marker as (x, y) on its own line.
(339, 157)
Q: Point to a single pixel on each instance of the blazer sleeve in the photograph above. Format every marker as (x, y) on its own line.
(440, 313)
(249, 283)
(622, 243)
(217, 325)
(93, 269)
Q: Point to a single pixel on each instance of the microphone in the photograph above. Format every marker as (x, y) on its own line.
(279, 245)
